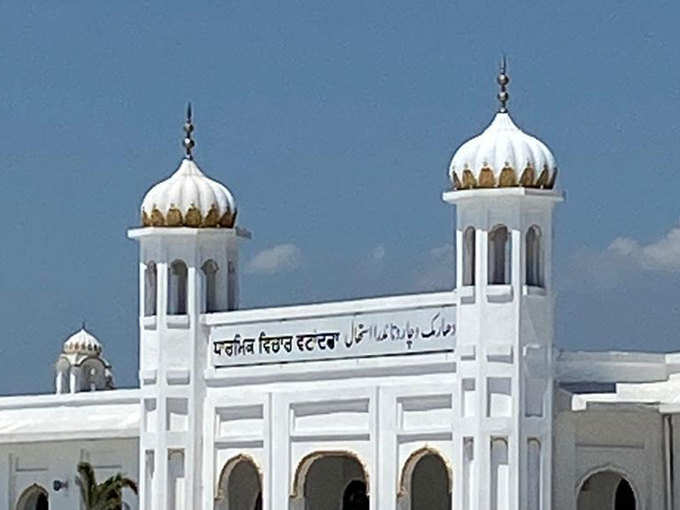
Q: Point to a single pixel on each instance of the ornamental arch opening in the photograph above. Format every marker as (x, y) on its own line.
(92, 375)
(534, 257)
(499, 256)
(177, 288)
(607, 489)
(240, 485)
(33, 498)
(426, 482)
(333, 479)
(209, 269)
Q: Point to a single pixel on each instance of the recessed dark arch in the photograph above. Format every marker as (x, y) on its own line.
(316, 483)
(499, 255)
(426, 480)
(35, 497)
(606, 487)
(469, 256)
(240, 481)
(534, 258)
(150, 288)
(210, 269)
(177, 287)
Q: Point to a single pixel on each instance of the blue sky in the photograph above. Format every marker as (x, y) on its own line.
(332, 123)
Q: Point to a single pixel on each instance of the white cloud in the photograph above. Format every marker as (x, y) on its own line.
(622, 264)
(439, 270)
(378, 253)
(660, 255)
(277, 259)
(443, 254)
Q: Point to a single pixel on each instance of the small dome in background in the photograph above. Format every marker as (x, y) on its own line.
(81, 366)
(503, 155)
(82, 342)
(188, 198)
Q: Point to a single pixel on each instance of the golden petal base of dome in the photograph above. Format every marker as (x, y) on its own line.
(193, 218)
(506, 179)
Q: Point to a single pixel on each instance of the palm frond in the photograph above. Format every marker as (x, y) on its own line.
(87, 483)
(107, 495)
(129, 483)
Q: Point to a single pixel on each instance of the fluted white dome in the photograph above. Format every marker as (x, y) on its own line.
(503, 156)
(82, 342)
(189, 198)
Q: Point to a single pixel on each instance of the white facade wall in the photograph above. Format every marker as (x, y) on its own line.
(23, 465)
(625, 441)
(380, 419)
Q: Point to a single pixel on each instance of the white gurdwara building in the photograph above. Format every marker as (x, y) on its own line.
(447, 400)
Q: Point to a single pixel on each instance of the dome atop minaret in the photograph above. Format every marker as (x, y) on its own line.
(503, 155)
(188, 198)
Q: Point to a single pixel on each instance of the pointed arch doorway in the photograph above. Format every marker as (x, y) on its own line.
(607, 489)
(240, 485)
(330, 481)
(34, 497)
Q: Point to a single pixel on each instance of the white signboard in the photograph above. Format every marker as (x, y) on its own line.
(343, 336)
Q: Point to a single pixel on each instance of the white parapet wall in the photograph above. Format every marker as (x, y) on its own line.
(44, 437)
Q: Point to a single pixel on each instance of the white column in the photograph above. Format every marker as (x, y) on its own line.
(58, 383)
(74, 380)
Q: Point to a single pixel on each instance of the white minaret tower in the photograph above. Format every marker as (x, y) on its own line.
(188, 266)
(503, 191)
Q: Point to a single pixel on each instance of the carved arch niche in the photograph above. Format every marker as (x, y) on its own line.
(239, 485)
(330, 479)
(426, 481)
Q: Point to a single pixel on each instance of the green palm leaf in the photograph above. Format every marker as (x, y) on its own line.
(107, 495)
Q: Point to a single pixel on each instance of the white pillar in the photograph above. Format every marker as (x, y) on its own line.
(74, 380)
(58, 382)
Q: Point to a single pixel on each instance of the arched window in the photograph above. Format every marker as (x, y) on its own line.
(177, 288)
(500, 250)
(92, 376)
(469, 256)
(150, 286)
(33, 498)
(534, 257)
(606, 489)
(425, 482)
(209, 269)
(240, 486)
(330, 480)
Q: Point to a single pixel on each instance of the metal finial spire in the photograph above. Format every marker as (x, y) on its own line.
(188, 142)
(503, 80)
